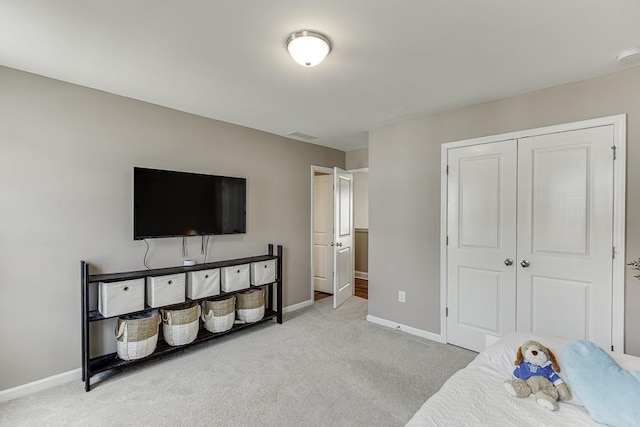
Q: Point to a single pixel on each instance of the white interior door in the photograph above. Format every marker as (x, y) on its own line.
(565, 242)
(481, 253)
(343, 237)
(323, 233)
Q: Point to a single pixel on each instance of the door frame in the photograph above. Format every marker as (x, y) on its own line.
(619, 123)
(314, 169)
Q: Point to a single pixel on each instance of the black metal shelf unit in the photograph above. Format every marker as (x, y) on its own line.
(95, 365)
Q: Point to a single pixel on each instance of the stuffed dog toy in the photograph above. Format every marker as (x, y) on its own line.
(537, 373)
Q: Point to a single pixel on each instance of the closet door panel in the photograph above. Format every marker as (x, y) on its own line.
(565, 221)
(481, 227)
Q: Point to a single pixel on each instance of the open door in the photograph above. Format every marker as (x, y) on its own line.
(343, 259)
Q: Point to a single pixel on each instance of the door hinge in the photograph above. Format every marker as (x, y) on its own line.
(613, 147)
(446, 312)
(614, 253)
(447, 244)
(611, 348)
(447, 170)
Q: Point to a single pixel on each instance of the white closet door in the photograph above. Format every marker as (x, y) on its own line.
(481, 223)
(565, 221)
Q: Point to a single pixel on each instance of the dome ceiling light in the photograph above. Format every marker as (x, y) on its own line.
(629, 56)
(308, 48)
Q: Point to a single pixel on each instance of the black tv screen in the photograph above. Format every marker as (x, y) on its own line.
(170, 204)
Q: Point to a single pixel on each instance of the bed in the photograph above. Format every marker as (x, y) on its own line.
(475, 395)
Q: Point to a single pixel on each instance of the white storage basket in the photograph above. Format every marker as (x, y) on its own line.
(203, 283)
(234, 278)
(218, 316)
(121, 297)
(263, 272)
(251, 305)
(180, 327)
(166, 290)
(137, 336)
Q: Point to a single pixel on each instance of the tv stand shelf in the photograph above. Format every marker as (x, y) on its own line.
(111, 361)
(95, 365)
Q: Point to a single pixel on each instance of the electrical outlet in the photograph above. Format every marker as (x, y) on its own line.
(401, 296)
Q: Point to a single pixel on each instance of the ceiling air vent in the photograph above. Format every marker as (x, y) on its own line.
(301, 135)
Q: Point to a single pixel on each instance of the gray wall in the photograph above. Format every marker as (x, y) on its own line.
(361, 200)
(357, 159)
(66, 160)
(361, 243)
(404, 190)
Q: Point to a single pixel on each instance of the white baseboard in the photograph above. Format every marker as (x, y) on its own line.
(362, 275)
(298, 306)
(404, 328)
(43, 384)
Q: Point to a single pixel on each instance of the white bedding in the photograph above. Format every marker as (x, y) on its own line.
(475, 395)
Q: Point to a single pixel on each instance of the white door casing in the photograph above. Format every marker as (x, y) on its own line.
(343, 237)
(323, 233)
(565, 223)
(570, 213)
(482, 236)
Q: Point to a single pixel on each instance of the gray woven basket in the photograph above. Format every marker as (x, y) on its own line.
(137, 337)
(219, 315)
(182, 316)
(220, 307)
(251, 305)
(180, 326)
(137, 329)
(253, 298)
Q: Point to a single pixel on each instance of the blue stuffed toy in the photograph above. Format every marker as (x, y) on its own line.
(525, 370)
(536, 373)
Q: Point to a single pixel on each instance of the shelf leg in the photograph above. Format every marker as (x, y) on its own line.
(82, 318)
(279, 286)
(86, 375)
(269, 296)
(269, 290)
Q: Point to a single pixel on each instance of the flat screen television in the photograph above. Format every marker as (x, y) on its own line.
(171, 204)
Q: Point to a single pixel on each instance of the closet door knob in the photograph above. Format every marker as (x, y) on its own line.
(525, 263)
(339, 245)
(508, 261)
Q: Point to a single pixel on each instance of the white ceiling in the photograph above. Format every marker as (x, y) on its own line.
(391, 60)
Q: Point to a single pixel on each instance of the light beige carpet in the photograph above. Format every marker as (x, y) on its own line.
(321, 367)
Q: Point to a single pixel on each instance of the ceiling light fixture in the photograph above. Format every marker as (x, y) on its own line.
(308, 48)
(629, 56)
